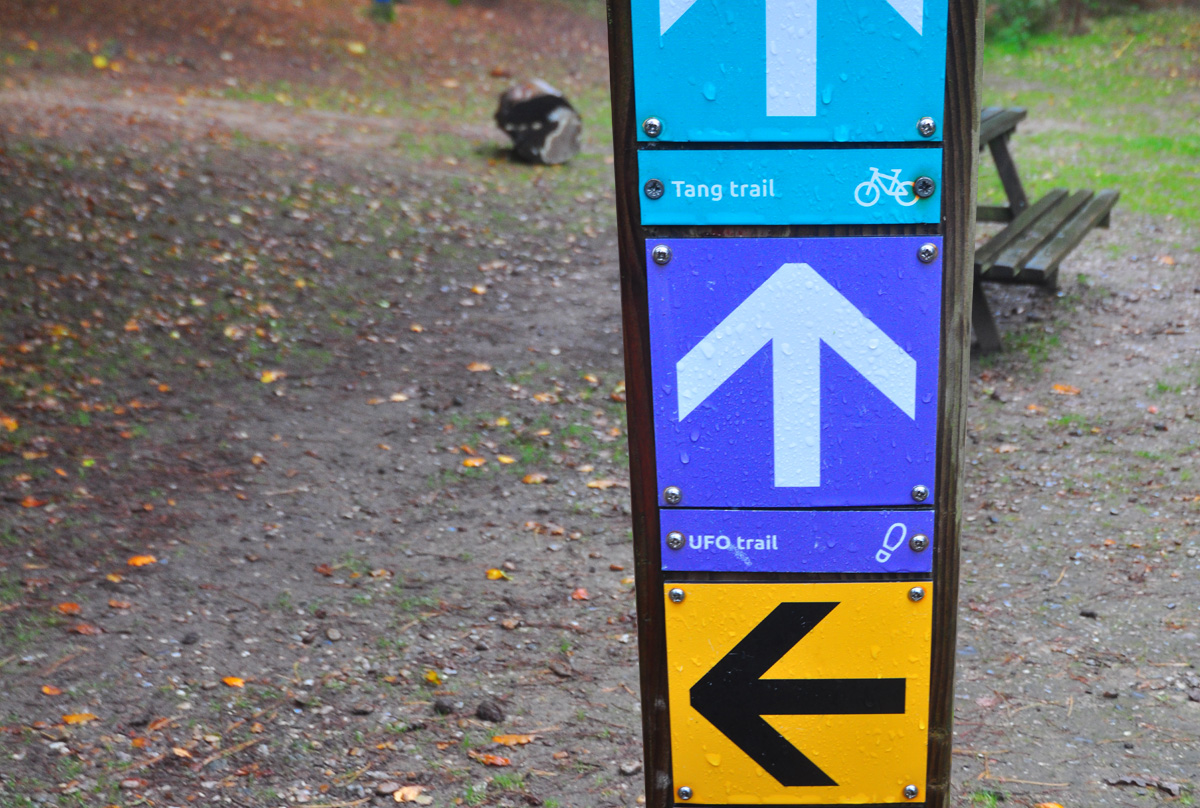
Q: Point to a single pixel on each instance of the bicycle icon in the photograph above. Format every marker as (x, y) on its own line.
(867, 192)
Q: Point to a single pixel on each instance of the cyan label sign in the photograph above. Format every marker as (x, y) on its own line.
(797, 541)
(789, 70)
(795, 373)
(790, 186)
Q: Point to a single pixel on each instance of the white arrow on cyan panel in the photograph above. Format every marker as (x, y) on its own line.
(792, 52)
(796, 310)
(791, 48)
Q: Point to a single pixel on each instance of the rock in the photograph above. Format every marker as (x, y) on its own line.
(384, 789)
(191, 638)
(631, 768)
(362, 709)
(332, 634)
(490, 710)
(443, 706)
(543, 125)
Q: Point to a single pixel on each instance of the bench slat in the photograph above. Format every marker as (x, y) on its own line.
(986, 255)
(1066, 239)
(1011, 262)
(996, 121)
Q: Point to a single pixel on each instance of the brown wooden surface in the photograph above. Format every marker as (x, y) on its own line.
(643, 493)
(959, 173)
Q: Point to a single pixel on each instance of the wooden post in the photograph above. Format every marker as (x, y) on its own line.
(955, 226)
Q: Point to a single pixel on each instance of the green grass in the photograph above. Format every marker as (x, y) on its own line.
(1114, 108)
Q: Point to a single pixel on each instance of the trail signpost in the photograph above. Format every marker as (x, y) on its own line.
(795, 209)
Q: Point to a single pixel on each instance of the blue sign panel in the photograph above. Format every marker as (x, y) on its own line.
(797, 541)
(789, 70)
(793, 186)
(795, 372)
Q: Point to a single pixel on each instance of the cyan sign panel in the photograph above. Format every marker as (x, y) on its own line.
(789, 186)
(789, 70)
(796, 373)
(797, 541)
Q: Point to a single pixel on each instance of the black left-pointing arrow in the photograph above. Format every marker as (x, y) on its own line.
(734, 697)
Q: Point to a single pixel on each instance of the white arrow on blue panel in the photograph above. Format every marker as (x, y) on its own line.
(791, 48)
(796, 310)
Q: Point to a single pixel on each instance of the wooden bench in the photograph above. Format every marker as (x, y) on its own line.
(1037, 237)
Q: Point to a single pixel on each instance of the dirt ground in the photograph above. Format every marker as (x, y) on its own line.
(312, 449)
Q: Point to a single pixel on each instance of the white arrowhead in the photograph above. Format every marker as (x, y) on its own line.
(671, 10)
(796, 310)
(913, 12)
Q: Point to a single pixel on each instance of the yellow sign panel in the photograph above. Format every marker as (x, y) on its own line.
(799, 693)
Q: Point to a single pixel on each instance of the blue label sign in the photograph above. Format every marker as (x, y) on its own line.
(793, 186)
(789, 70)
(795, 372)
(797, 541)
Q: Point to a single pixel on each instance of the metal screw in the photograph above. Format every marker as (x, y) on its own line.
(926, 253)
(925, 127)
(655, 189)
(922, 186)
(672, 495)
(920, 493)
(918, 542)
(911, 792)
(676, 595)
(661, 254)
(652, 127)
(685, 793)
(675, 540)
(916, 595)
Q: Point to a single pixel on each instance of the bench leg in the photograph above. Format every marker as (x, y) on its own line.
(1007, 169)
(982, 321)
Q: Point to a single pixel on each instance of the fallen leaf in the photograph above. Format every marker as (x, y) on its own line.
(478, 367)
(141, 561)
(416, 328)
(1166, 259)
(505, 459)
(513, 740)
(502, 421)
(616, 567)
(234, 681)
(69, 608)
(479, 289)
(407, 793)
(433, 677)
(115, 577)
(1047, 805)
(157, 724)
(474, 462)
(324, 569)
(257, 459)
(9, 423)
(580, 594)
(180, 752)
(269, 376)
(79, 718)
(618, 393)
(99, 61)
(86, 629)
(534, 478)
(496, 574)
(357, 48)
(603, 485)
(488, 759)
(1036, 408)
(1006, 448)
(1066, 389)
(51, 690)
(119, 604)
(397, 397)
(33, 502)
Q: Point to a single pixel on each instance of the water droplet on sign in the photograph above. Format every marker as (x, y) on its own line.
(710, 91)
